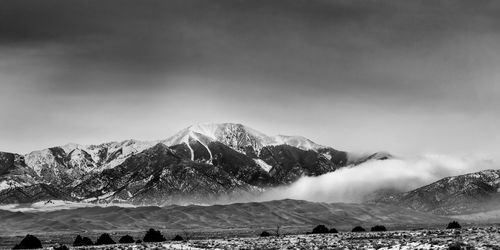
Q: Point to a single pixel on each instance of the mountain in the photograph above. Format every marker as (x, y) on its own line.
(14, 173)
(239, 137)
(160, 175)
(464, 194)
(69, 163)
(198, 164)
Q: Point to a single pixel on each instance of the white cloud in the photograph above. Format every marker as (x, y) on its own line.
(355, 183)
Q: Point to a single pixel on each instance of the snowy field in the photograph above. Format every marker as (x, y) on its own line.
(469, 238)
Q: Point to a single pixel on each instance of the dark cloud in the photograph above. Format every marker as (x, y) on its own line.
(290, 41)
(349, 55)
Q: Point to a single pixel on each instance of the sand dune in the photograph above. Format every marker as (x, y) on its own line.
(290, 213)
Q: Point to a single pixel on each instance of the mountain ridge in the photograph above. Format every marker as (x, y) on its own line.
(462, 194)
(246, 160)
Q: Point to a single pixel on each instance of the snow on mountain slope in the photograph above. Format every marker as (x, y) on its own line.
(263, 165)
(6, 184)
(14, 173)
(75, 159)
(296, 141)
(110, 154)
(238, 137)
(200, 160)
(71, 163)
(463, 194)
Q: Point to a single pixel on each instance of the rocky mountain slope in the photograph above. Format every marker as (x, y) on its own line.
(199, 163)
(464, 194)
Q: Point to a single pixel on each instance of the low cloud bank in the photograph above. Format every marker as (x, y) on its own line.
(358, 183)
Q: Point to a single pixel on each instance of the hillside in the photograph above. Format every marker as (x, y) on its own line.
(463, 194)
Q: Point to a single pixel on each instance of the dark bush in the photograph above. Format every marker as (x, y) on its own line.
(453, 225)
(78, 241)
(265, 234)
(378, 228)
(126, 239)
(358, 229)
(178, 238)
(333, 231)
(138, 241)
(153, 236)
(29, 242)
(105, 239)
(61, 247)
(86, 241)
(320, 229)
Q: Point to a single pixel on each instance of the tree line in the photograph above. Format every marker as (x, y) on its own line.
(152, 235)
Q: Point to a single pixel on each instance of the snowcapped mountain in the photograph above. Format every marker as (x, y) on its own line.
(295, 141)
(70, 163)
(463, 194)
(198, 163)
(238, 137)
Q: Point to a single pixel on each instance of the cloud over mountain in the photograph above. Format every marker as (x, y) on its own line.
(355, 184)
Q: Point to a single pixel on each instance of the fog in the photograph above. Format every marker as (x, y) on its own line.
(358, 183)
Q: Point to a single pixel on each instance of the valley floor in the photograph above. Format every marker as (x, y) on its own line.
(474, 238)
(469, 238)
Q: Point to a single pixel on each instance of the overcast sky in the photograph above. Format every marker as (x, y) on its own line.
(402, 76)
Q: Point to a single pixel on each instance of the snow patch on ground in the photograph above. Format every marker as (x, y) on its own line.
(101, 197)
(54, 205)
(179, 246)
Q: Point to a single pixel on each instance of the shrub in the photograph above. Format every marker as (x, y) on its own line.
(138, 241)
(333, 231)
(82, 241)
(320, 229)
(105, 239)
(453, 225)
(78, 241)
(29, 242)
(358, 229)
(178, 238)
(126, 239)
(61, 247)
(153, 236)
(265, 234)
(86, 241)
(378, 228)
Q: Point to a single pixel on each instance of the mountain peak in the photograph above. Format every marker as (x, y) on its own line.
(213, 130)
(297, 141)
(237, 136)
